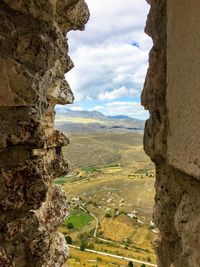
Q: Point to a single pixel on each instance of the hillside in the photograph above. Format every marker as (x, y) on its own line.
(112, 183)
(102, 148)
(70, 121)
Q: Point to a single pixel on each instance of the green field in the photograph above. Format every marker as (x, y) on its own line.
(141, 171)
(60, 180)
(111, 175)
(91, 169)
(79, 219)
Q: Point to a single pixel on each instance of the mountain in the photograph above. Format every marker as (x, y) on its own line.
(80, 113)
(71, 121)
(120, 117)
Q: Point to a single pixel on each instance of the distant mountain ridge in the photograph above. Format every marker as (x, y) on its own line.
(81, 113)
(76, 121)
(120, 117)
(91, 114)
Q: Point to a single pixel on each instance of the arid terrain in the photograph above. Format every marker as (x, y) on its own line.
(110, 190)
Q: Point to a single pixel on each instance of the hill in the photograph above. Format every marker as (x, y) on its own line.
(97, 149)
(110, 189)
(84, 121)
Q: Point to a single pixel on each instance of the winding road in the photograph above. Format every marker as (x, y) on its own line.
(105, 240)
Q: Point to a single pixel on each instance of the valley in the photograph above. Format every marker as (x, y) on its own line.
(110, 191)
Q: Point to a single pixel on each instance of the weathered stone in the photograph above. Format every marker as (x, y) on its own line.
(171, 93)
(33, 59)
(183, 59)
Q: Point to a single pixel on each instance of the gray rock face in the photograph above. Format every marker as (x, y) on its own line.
(170, 144)
(33, 60)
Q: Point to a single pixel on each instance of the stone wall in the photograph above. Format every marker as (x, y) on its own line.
(33, 61)
(172, 94)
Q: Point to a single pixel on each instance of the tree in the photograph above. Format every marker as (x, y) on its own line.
(148, 258)
(130, 264)
(68, 239)
(83, 244)
(143, 265)
(99, 259)
(108, 215)
(70, 225)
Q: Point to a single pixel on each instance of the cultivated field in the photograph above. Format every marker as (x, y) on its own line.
(112, 183)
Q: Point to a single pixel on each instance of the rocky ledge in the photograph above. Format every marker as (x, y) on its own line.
(33, 60)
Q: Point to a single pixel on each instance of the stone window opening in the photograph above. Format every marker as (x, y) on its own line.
(33, 64)
(89, 170)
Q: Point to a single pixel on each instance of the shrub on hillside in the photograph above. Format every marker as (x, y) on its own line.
(68, 239)
(70, 225)
(130, 264)
(83, 244)
(108, 215)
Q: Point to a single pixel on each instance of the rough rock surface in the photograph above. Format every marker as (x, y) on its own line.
(33, 60)
(184, 61)
(177, 201)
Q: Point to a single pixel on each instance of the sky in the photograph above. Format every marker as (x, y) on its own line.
(110, 58)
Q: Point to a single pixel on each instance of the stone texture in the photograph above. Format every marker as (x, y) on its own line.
(154, 92)
(183, 103)
(171, 94)
(33, 59)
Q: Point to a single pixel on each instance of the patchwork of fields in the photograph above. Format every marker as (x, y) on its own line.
(113, 181)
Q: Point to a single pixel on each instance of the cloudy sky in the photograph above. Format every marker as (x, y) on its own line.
(111, 58)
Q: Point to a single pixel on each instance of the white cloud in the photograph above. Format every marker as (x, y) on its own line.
(110, 57)
(118, 93)
(97, 108)
(76, 108)
(61, 108)
(113, 21)
(132, 109)
(106, 67)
